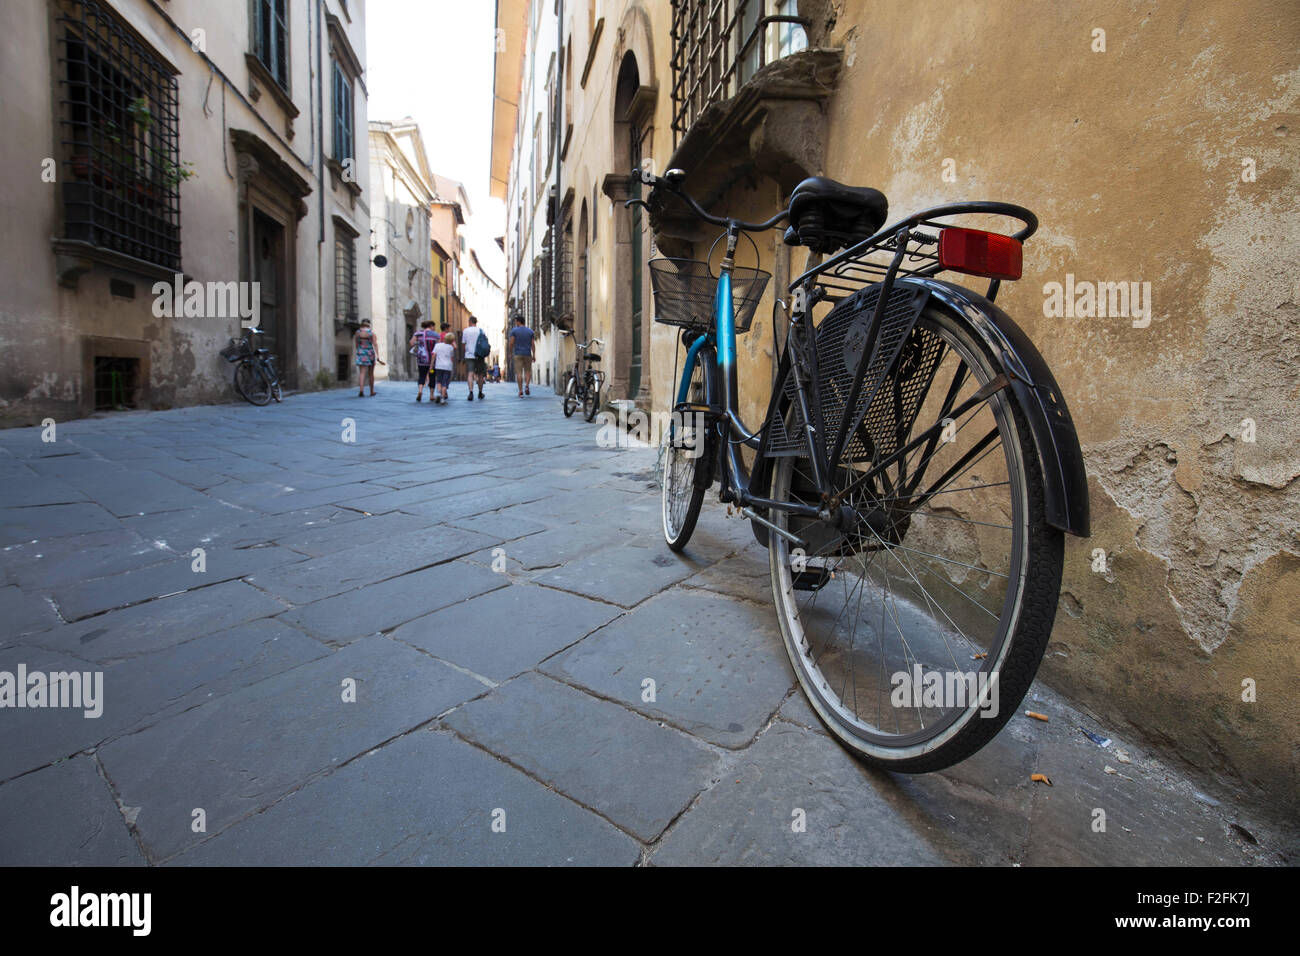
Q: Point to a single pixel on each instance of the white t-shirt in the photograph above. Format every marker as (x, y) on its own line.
(470, 338)
(444, 356)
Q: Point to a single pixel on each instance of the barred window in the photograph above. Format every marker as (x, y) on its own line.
(345, 278)
(271, 38)
(718, 45)
(118, 114)
(343, 112)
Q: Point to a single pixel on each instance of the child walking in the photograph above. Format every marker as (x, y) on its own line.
(444, 360)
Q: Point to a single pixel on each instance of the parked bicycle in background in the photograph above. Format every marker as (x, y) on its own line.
(582, 385)
(256, 378)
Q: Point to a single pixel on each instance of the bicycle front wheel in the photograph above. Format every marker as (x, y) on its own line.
(591, 398)
(685, 461)
(570, 396)
(917, 627)
(251, 384)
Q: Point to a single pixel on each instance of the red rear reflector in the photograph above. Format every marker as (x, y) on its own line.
(977, 253)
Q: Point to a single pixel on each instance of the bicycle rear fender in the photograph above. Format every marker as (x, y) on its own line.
(1065, 481)
(1051, 428)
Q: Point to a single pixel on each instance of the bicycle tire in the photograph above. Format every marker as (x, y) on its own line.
(251, 385)
(1024, 626)
(570, 404)
(591, 399)
(276, 391)
(682, 486)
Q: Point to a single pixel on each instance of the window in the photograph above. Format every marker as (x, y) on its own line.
(343, 113)
(791, 37)
(271, 38)
(718, 46)
(120, 137)
(345, 278)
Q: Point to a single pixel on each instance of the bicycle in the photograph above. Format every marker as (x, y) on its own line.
(915, 474)
(256, 379)
(583, 384)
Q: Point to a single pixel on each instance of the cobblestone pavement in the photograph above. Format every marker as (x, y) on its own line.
(492, 588)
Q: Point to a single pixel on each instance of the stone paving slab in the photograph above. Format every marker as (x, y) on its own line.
(26, 491)
(719, 669)
(633, 771)
(23, 612)
(625, 575)
(507, 631)
(428, 800)
(243, 751)
(161, 623)
(506, 525)
(334, 536)
(555, 546)
(53, 521)
(84, 598)
(378, 607)
(750, 816)
(365, 564)
(36, 737)
(64, 815)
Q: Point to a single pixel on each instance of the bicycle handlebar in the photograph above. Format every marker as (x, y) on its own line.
(672, 181)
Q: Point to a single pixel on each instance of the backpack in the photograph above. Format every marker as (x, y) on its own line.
(482, 347)
(422, 347)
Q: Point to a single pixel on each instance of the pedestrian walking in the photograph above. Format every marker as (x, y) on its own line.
(477, 349)
(366, 357)
(422, 343)
(524, 347)
(444, 360)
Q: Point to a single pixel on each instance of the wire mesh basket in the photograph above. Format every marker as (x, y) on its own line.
(685, 288)
(236, 350)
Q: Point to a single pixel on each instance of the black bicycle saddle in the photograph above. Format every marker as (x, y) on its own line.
(827, 216)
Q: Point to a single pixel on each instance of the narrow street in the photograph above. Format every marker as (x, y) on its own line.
(434, 645)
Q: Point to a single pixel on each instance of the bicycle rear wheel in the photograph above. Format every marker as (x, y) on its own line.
(251, 384)
(685, 460)
(916, 630)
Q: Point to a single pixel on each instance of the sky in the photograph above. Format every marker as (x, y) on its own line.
(433, 60)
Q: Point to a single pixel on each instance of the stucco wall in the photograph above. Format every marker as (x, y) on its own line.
(42, 324)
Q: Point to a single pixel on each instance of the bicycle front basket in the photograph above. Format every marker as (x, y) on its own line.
(235, 350)
(684, 290)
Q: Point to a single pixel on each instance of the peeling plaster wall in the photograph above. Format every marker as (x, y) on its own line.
(1133, 160)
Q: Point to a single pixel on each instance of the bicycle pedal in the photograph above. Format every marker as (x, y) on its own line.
(811, 580)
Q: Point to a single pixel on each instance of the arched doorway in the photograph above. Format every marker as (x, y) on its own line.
(629, 135)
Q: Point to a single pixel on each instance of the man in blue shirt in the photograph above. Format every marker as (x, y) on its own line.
(525, 351)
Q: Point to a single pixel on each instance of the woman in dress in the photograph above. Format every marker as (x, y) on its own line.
(365, 346)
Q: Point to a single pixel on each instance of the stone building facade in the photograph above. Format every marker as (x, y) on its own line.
(400, 222)
(1157, 146)
(206, 146)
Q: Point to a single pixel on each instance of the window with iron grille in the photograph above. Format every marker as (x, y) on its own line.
(343, 113)
(271, 38)
(345, 279)
(120, 139)
(718, 45)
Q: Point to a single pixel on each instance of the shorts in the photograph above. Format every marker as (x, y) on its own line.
(523, 365)
(442, 377)
(478, 366)
(421, 373)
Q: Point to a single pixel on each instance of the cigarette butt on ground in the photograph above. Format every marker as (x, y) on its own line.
(1040, 778)
(1036, 715)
